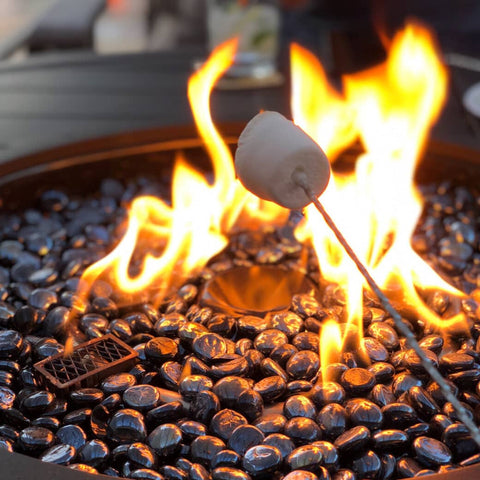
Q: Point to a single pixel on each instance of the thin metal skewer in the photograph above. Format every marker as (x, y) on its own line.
(302, 182)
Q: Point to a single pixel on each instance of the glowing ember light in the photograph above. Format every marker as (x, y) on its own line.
(377, 207)
(163, 244)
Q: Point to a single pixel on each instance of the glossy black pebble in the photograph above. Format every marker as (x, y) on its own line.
(15, 418)
(61, 454)
(51, 423)
(228, 473)
(191, 385)
(118, 383)
(399, 415)
(37, 402)
(364, 412)
(198, 472)
(191, 429)
(271, 388)
(458, 439)
(87, 397)
(269, 339)
(25, 319)
(307, 457)
(353, 440)
(303, 365)
(413, 362)
(6, 444)
(403, 382)
(141, 397)
(204, 406)
(99, 421)
(11, 343)
(142, 454)
(382, 371)
(94, 453)
(302, 430)
(165, 439)
(301, 475)
(226, 458)
(345, 474)
(144, 474)
(385, 334)
(203, 449)
(271, 423)
(455, 362)
(167, 412)
(245, 437)
(299, 406)
(382, 395)
(332, 420)
(228, 390)
(417, 430)
(389, 440)
(431, 452)
(357, 381)
(210, 346)
(72, 435)
(326, 393)
(225, 422)
(250, 404)
(261, 460)
(330, 454)
(127, 426)
(36, 439)
(367, 465)
(422, 402)
(161, 349)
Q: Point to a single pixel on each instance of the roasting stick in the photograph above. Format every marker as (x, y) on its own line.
(274, 161)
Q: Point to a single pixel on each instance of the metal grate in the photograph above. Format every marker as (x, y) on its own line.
(89, 363)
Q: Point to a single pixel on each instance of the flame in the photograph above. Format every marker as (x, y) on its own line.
(325, 115)
(186, 237)
(391, 108)
(164, 244)
(331, 342)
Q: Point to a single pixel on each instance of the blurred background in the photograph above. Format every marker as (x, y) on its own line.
(73, 69)
(345, 33)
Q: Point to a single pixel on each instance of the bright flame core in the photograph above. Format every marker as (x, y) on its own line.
(390, 108)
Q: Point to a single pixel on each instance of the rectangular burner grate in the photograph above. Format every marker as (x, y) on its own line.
(89, 363)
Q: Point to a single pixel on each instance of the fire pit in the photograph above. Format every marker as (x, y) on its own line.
(228, 383)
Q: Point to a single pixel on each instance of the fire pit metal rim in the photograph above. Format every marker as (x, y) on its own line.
(172, 145)
(160, 139)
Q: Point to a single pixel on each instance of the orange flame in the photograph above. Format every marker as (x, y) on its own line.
(316, 106)
(331, 343)
(391, 108)
(195, 227)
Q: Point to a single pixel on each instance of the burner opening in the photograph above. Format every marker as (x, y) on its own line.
(255, 290)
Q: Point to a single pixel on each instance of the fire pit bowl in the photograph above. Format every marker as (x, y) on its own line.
(80, 167)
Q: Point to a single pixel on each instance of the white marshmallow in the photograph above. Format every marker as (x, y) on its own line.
(271, 152)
